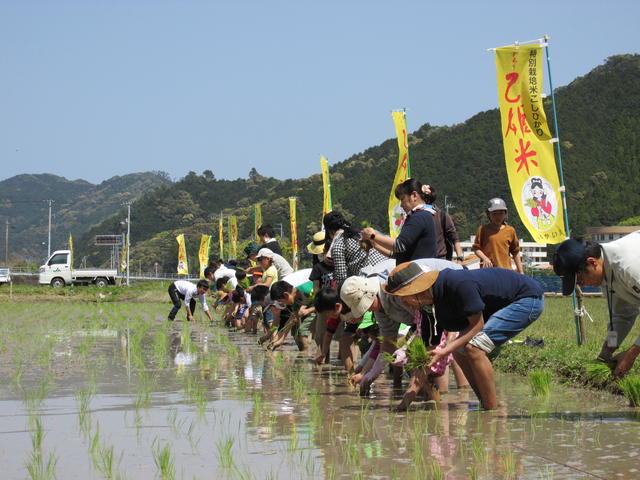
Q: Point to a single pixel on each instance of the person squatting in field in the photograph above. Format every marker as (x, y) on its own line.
(185, 292)
(487, 306)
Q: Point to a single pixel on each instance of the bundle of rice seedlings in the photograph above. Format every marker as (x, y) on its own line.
(598, 372)
(417, 354)
(630, 386)
(540, 381)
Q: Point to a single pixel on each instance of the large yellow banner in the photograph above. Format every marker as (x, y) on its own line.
(221, 236)
(70, 252)
(233, 237)
(123, 259)
(183, 267)
(326, 187)
(258, 220)
(396, 214)
(203, 253)
(528, 145)
(294, 232)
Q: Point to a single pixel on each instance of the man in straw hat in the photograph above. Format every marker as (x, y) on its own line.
(365, 294)
(461, 301)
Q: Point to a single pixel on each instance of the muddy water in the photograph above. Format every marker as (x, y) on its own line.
(219, 405)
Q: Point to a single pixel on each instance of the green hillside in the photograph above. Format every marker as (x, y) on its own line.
(600, 132)
(77, 206)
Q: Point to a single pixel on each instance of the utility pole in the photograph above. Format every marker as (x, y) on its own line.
(447, 205)
(6, 244)
(49, 243)
(128, 237)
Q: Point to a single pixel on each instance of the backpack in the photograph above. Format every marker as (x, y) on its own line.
(447, 243)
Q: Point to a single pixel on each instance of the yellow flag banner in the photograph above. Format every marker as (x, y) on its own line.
(123, 259)
(528, 146)
(396, 214)
(71, 252)
(233, 237)
(183, 267)
(326, 187)
(221, 236)
(294, 232)
(258, 220)
(203, 253)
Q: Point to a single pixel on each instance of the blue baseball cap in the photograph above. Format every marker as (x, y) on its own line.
(568, 259)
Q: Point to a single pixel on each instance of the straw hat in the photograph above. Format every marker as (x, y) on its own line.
(408, 279)
(316, 247)
(359, 293)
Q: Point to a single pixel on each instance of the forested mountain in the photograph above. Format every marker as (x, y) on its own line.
(77, 205)
(599, 121)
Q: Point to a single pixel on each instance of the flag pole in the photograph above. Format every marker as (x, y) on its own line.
(404, 111)
(578, 317)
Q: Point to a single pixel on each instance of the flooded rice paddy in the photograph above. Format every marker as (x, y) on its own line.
(115, 391)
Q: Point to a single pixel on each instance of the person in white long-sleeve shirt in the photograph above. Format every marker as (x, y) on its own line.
(182, 291)
(614, 266)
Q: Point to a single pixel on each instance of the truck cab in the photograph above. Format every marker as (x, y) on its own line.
(56, 271)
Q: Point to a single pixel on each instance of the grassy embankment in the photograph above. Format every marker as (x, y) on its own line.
(140, 292)
(561, 355)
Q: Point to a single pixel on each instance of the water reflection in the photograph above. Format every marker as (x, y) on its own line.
(193, 387)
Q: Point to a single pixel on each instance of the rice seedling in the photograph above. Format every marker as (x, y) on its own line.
(417, 355)
(104, 463)
(546, 473)
(479, 450)
(508, 462)
(473, 472)
(37, 467)
(225, 455)
(540, 381)
(164, 461)
(598, 373)
(83, 398)
(436, 470)
(316, 414)
(630, 387)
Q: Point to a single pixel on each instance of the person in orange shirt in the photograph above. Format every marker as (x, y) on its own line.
(496, 242)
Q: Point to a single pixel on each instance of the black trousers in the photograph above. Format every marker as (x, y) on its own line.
(177, 299)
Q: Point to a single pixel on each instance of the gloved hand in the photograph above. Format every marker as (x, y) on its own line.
(400, 356)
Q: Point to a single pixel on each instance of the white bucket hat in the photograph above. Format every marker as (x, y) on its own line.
(359, 293)
(264, 252)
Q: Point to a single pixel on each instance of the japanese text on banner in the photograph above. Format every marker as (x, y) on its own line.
(203, 253)
(183, 267)
(396, 214)
(529, 158)
(257, 220)
(326, 187)
(221, 236)
(233, 237)
(294, 232)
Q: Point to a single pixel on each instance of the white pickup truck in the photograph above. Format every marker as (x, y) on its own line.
(58, 272)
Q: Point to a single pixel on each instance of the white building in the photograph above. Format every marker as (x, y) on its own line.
(609, 234)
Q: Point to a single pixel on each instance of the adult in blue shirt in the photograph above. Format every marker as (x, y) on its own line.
(487, 306)
(418, 237)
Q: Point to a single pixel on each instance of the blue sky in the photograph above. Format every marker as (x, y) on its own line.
(93, 89)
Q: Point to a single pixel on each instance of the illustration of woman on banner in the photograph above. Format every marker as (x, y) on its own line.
(541, 207)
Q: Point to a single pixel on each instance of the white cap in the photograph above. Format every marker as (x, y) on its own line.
(264, 252)
(359, 293)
